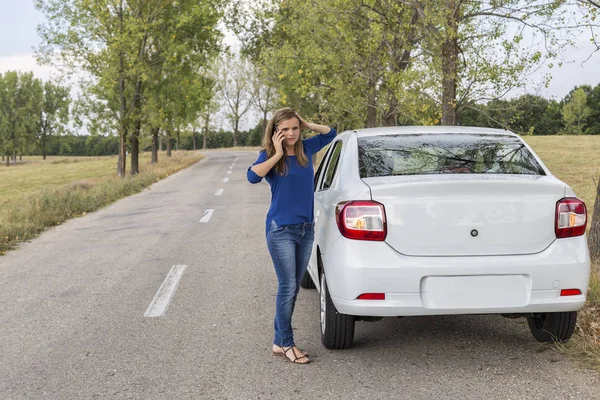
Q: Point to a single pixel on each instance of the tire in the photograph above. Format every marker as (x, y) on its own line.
(552, 327)
(337, 330)
(307, 282)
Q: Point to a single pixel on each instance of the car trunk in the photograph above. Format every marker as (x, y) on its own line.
(468, 215)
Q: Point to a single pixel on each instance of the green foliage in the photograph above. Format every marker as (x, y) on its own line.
(576, 112)
(21, 102)
(146, 58)
(384, 62)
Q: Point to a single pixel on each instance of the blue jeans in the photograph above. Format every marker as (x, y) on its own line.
(290, 247)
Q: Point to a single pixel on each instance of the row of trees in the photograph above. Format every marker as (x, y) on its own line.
(108, 145)
(31, 112)
(388, 62)
(24, 96)
(578, 113)
(146, 63)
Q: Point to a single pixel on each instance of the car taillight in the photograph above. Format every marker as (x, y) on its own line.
(362, 220)
(570, 292)
(571, 218)
(371, 296)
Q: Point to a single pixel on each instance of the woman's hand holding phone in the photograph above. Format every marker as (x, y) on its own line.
(278, 142)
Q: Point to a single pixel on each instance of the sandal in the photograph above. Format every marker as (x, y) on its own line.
(295, 360)
(282, 352)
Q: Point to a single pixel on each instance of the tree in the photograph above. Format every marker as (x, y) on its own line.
(115, 41)
(21, 98)
(478, 48)
(54, 113)
(235, 90)
(593, 102)
(262, 93)
(351, 64)
(576, 112)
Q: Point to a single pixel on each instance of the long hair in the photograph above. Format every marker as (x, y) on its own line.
(267, 142)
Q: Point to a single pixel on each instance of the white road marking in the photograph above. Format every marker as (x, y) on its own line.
(219, 192)
(226, 179)
(231, 167)
(228, 172)
(206, 217)
(165, 293)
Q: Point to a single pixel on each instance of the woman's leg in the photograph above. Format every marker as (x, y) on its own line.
(303, 252)
(282, 248)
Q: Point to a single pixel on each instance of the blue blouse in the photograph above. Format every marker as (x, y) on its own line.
(292, 200)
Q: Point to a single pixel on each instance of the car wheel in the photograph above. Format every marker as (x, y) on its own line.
(307, 282)
(550, 327)
(337, 330)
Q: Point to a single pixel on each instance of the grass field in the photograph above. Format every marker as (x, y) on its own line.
(37, 194)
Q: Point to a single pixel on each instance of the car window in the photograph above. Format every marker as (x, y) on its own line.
(321, 168)
(332, 166)
(445, 154)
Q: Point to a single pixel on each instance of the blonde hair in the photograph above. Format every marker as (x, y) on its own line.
(280, 116)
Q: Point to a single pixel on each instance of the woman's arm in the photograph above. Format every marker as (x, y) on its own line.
(263, 169)
(322, 129)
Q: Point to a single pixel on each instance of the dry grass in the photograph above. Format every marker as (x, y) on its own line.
(585, 344)
(36, 194)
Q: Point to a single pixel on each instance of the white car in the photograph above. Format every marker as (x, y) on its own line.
(444, 220)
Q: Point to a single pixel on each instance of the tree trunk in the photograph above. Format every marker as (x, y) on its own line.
(155, 145)
(122, 161)
(135, 149)
(401, 64)
(235, 132)
(160, 142)
(594, 237)
(178, 139)
(371, 121)
(20, 157)
(206, 121)
(391, 115)
(450, 65)
(194, 138)
(14, 158)
(135, 143)
(168, 143)
(264, 123)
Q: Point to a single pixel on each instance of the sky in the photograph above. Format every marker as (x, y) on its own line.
(18, 37)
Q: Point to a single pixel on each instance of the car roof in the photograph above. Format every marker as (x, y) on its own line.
(423, 130)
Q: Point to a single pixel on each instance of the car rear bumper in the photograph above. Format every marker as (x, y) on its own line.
(455, 285)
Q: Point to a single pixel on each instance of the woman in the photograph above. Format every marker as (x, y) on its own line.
(286, 164)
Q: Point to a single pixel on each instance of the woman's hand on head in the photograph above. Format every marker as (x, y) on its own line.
(303, 123)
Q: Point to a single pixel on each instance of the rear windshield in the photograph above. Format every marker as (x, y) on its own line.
(444, 154)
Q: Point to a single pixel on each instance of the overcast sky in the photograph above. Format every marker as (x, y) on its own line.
(18, 35)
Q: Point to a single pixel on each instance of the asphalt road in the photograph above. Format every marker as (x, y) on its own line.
(73, 305)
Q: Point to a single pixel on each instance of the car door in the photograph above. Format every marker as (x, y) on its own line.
(312, 264)
(323, 182)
